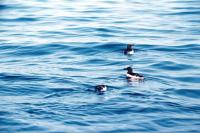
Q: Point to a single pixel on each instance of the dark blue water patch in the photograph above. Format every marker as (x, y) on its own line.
(3, 31)
(3, 7)
(165, 80)
(188, 47)
(31, 128)
(24, 89)
(172, 31)
(183, 13)
(147, 125)
(187, 39)
(56, 46)
(76, 123)
(39, 112)
(64, 57)
(79, 19)
(194, 21)
(181, 120)
(28, 52)
(112, 46)
(48, 112)
(105, 35)
(166, 122)
(71, 69)
(145, 46)
(38, 50)
(10, 121)
(80, 30)
(187, 79)
(194, 31)
(93, 18)
(175, 122)
(128, 109)
(129, 130)
(106, 30)
(116, 63)
(148, 36)
(56, 131)
(8, 46)
(120, 21)
(50, 106)
(110, 111)
(7, 7)
(98, 61)
(11, 77)
(172, 66)
(171, 104)
(59, 93)
(135, 94)
(22, 19)
(92, 49)
(88, 51)
(5, 113)
(69, 85)
(65, 90)
(61, 80)
(173, 107)
(110, 1)
(192, 2)
(150, 110)
(186, 8)
(176, 49)
(192, 93)
(11, 6)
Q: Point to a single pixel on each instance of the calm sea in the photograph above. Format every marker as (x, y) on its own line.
(53, 53)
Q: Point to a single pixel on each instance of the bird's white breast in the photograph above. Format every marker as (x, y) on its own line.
(134, 77)
(130, 52)
(104, 89)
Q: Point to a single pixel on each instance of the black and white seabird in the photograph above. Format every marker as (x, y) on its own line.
(100, 88)
(133, 76)
(129, 50)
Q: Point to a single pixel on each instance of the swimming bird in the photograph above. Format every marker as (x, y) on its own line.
(129, 50)
(100, 88)
(133, 76)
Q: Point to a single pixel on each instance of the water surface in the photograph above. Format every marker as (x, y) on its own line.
(53, 53)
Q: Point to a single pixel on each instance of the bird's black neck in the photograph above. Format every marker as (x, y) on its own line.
(129, 47)
(130, 72)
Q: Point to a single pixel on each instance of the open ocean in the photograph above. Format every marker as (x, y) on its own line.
(53, 53)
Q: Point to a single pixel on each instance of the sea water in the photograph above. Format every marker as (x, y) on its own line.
(54, 52)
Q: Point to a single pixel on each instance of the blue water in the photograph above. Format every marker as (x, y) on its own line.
(53, 53)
